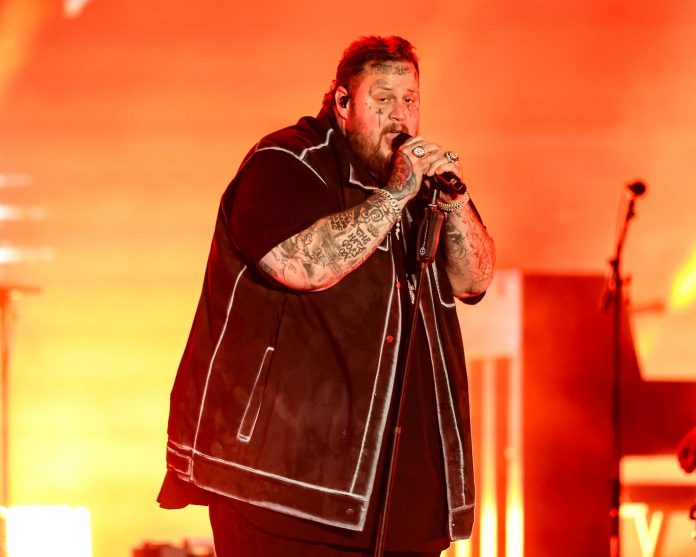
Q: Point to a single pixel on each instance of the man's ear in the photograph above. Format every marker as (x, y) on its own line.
(341, 100)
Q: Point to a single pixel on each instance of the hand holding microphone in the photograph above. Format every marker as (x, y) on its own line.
(430, 161)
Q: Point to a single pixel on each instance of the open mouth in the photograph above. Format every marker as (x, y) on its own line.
(392, 135)
(396, 131)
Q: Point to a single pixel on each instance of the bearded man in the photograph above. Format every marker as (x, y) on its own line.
(282, 405)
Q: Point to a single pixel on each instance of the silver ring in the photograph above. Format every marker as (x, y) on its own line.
(418, 151)
(451, 157)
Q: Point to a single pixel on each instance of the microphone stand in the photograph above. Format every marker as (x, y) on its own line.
(428, 240)
(613, 298)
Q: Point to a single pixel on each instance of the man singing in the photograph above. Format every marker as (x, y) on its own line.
(282, 406)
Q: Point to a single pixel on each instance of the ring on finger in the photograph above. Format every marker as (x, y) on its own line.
(418, 151)
(450, 156)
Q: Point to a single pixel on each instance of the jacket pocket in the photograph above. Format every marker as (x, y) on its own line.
(253, 407)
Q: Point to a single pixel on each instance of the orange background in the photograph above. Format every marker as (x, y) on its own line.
(130, 117)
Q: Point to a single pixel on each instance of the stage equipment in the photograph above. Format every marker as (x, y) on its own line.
(539, 360)
(427, 244)
(428, 240)
(614, 299)
(57, 530)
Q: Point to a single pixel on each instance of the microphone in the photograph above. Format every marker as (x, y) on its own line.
(447, 182)
(636, 188)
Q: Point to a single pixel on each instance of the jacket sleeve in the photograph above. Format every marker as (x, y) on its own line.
(273, 197)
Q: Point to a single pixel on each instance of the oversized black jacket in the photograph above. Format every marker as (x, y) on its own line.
(282, 397)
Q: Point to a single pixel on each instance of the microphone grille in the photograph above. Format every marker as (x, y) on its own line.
(400, 139)
(637, 188)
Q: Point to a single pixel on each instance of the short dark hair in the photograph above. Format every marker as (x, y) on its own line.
(363, 51)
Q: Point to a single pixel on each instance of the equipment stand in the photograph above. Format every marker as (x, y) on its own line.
(428, 239)
(613, 298)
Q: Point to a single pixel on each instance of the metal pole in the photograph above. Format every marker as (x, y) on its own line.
(428, 241)
(615, 475)
(614, 298)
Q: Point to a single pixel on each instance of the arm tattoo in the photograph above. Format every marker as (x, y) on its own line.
(470, 253)
(321, 255)
(403, 180)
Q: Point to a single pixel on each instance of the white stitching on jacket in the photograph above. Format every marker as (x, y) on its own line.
(302, 155)
(385, 413)
(437, 286)
(212, 358)
(247, 437)
(279, 478)
(451, 401)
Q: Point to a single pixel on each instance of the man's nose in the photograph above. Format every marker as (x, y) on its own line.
(399, 111)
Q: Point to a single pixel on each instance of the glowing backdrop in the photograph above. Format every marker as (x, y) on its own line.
(121, 122)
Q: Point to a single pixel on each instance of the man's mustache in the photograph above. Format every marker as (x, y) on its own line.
(395, 129)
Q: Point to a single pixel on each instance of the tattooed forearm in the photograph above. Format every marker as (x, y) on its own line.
(403, 180)
(321, 255)
(338, 222)
(470, 253)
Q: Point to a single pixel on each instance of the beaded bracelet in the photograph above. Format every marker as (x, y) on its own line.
(389, 198)
(456, 206)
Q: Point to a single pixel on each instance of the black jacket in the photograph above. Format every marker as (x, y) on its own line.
(282, 397)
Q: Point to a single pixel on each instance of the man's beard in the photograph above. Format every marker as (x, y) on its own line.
(370, 154)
